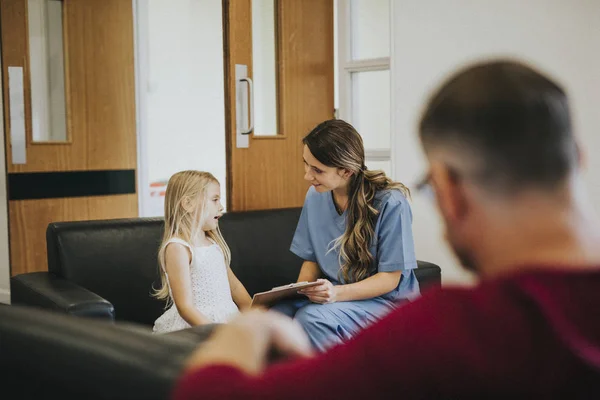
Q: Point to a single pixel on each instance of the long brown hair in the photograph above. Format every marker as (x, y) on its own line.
(186, 187)
(335, 143)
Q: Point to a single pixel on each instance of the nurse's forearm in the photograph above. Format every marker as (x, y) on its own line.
(309, 272)
(374, 286)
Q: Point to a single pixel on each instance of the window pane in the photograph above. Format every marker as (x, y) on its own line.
(386, 166)
(263, 67)
(47, 70)
(371, 107)
(370, 27)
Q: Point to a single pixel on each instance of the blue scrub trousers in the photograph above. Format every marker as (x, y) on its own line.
(328, 325)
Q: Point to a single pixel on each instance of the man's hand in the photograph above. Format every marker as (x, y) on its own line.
(324, 293)
(248, 340)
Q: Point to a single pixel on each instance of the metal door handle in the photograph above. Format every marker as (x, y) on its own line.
(251, 108)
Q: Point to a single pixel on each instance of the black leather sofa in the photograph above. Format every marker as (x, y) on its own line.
(106, 269)
(46, 354)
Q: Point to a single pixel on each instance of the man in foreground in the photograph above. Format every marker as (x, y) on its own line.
(504, 167)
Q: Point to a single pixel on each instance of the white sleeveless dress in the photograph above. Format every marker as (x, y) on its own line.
(210, 289)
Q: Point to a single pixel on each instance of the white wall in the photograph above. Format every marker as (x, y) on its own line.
(181, 111)
(432, 38)
(370, 29)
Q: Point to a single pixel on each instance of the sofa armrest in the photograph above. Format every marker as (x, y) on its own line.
(46, 354)
(46, 290)
(428, 274)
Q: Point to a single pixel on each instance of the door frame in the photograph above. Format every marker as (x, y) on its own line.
(347, 66)
(142, 78)
(296, 115)
(4, 229)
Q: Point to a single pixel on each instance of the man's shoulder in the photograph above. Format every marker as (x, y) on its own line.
(493, 336)
(472, 324)
(460, 308)
(490, 292)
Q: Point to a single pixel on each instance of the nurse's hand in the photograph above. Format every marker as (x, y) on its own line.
(324, 293)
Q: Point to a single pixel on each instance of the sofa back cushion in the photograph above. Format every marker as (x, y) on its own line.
(260, 247)
(118, 259)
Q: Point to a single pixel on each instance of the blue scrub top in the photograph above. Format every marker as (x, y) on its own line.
(392, 246)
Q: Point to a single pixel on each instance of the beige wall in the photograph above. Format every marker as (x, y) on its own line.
(432, 38)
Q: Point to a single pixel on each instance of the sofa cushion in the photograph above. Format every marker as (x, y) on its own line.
(259, 243)
(116, 259)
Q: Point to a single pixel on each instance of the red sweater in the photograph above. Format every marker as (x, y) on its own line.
(535, 335)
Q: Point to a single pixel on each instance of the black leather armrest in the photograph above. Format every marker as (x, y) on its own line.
(428, 274)
(46, 290)
(47, 354)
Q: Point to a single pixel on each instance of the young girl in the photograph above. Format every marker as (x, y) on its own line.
(355, 236)
(196, 279)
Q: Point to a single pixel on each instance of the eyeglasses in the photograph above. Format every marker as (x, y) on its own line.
(424, 186)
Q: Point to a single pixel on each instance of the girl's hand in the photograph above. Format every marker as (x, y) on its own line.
(324, 293)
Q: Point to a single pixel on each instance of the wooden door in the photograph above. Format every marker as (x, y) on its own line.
(91, 174)
(269, 173)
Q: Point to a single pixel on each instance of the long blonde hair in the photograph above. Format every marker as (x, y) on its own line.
(335, 143)
(186, 188)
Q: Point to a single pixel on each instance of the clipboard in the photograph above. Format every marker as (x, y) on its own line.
(280, 292)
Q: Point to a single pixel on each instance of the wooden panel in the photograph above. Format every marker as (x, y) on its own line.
(100, 91)
(100, 86)
(237, 49)
(15, 50)
(306, 79)
(30, 218)
(99, 39)
(270, 173)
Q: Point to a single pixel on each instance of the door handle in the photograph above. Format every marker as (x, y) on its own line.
(251, 102)
(242, 108)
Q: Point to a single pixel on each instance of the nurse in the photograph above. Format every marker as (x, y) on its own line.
(355, 237)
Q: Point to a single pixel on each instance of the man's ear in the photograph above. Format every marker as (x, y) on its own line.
(449, 193)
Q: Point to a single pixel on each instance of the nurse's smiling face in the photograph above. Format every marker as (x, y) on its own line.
(322, 177)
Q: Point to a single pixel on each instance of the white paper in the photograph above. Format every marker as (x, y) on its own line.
(17, 114)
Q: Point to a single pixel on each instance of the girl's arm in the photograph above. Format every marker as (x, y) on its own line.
(238, 291)
(177, 260)
(309, 272)
(374, 286)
